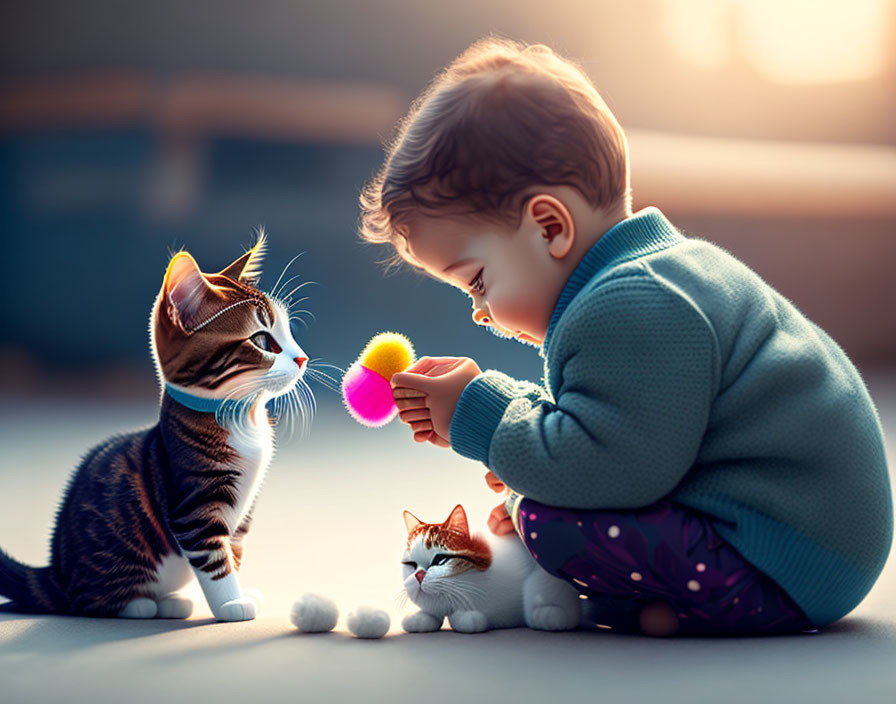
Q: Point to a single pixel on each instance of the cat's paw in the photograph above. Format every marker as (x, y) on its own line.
(421, 622)
(549, 617)
(254, 594)
(139, 608)
(243, 609)
(174, 607)
(468, 621)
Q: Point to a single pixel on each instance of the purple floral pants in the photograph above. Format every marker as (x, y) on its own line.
(666, 552)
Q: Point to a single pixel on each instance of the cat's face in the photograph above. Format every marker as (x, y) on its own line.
(435, 556)
(218, 336)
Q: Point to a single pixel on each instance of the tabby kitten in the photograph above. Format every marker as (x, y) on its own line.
(479, 583)
(147, 510)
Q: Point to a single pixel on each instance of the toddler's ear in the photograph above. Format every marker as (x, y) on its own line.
(556, 222)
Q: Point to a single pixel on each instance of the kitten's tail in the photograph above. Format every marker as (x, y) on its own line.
(23, 584)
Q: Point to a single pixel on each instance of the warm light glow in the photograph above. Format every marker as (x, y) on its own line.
(807, 41)
(700, 30)
(786, 41)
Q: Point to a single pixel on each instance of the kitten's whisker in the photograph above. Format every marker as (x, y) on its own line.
(283, 273)
(401, 600)
(325, 380)
(317, 363)
(299, 287)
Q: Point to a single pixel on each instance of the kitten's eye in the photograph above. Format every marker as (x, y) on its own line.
(440, 559)
(412, 565)
(264, 341)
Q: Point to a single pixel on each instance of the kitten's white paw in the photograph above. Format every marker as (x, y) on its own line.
(174, 607)
(139, 608)
(314, 614)
(421, 622)
(254, 594)
(468, 621)
(243, 609)
(550, 617)
(365, 622)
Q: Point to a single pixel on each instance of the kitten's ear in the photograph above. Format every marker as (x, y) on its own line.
(247, 269)
(458, 520)
(184, 291)
(411, 522)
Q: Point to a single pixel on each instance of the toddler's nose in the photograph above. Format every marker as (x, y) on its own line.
(300, 361)
(420, 574)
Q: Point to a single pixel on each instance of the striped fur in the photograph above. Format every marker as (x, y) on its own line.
(141, 504)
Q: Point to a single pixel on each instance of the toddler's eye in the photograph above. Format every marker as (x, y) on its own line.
(476, 285)
(264, 341)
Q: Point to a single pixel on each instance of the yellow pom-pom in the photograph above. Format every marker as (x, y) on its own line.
(388, 353)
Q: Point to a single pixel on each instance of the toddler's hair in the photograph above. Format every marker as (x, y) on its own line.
(502, 119)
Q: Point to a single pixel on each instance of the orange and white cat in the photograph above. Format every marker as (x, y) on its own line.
(479, 583)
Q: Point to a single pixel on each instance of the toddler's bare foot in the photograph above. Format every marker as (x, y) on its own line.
(658, 619)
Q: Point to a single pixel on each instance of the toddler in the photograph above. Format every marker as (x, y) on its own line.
(700, 457)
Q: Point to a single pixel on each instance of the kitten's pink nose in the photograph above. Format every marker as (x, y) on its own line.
(300, 361)
(420, 574)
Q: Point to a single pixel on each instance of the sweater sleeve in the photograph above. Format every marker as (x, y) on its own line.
(634, 365)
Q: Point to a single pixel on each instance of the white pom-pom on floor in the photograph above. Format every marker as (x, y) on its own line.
(365, 622)
(314, 614)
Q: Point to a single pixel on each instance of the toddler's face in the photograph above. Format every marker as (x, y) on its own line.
(509, 274)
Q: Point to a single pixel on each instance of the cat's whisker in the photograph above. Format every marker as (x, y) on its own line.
(305, 394)
(300, 287)
(283, 273)
(316, 362)
(401, 600)
(324, 380)
(293, 304)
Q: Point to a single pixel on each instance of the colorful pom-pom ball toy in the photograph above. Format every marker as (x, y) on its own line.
(366, 386)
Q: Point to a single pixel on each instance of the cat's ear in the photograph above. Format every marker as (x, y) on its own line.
(458, 520)
(184, 291)
(411, 522)
(247, 269)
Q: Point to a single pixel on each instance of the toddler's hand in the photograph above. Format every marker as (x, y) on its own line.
(413, 411)
(499, 522)
(428, 392)
(494, 483)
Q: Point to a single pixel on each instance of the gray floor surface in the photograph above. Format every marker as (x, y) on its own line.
(329, 521)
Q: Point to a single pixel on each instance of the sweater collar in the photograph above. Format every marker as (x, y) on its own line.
(643, 233)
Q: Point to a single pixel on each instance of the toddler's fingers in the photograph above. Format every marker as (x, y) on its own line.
(499, 522)
(504, 527)
(424, 365)
(408, 404)
(438, 440)
(415, 414)
(494, 483)
(423, 435)
(421, 425)
(406, 392)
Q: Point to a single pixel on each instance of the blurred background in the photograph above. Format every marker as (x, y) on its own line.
(130, 130)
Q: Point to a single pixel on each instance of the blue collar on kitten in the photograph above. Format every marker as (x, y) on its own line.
(200, 403)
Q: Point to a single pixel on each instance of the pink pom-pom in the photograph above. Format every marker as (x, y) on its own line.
(368, 396)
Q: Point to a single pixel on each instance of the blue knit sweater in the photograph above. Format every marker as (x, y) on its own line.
(673, 371)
